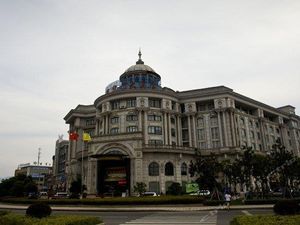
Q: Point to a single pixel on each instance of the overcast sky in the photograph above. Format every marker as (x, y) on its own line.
(56, 54)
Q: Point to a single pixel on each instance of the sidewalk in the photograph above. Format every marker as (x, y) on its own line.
(138, 208)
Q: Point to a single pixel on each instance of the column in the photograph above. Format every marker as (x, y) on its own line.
(165, 128)
(194, 133)
(170, 127)
(225, 129)
(178, 123)
(106, 124)
(220, 129)
(190, 131)
(233, 129)
(140, 120)
(145, 127)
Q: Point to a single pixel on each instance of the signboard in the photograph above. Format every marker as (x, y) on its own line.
(115, 174)
(192, 187)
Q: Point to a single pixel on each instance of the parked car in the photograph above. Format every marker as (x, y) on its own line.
(33, 195)
(150, 193)
(201, 193)
(43, 195)
(60, 195)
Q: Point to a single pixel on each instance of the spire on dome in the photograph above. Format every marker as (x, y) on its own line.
(140, 61)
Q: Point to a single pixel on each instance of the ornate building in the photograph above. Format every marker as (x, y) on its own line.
(142, 132)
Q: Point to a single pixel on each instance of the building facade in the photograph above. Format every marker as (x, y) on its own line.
(39, 173)
(59, 165)
(142, 132)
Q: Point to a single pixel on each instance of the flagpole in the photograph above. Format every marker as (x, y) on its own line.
(82, 168)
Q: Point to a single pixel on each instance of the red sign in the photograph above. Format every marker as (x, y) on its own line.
(122, 182)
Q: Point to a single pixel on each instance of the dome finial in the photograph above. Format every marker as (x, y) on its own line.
(140, 61)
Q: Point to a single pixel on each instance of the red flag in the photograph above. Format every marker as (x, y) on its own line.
(73, 136)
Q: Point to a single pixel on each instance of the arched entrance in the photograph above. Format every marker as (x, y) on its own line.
(113, 173)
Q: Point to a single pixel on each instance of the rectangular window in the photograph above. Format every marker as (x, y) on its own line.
(243, 133)
(242, 121)
(200, 122)
(154, 102)
(131, 118)
(131, 129)
(258, 135)
(210, 106)
(114, 130)
(115, 105)
(154, 130)
(154, 118)
(214, 133)
(213, 121)
(215, 144)
(131, 103)
(155, 142)
(201, 107)
(252, 134)
(201, 134)
(90, 122)
(202, 145)
(114, 120)
(173, 132)
(173, 120)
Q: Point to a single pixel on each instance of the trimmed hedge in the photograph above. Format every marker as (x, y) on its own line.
(39, 210)
(266, 220)
(286, 207)
(13, 219)
(265, 201)
(2, 213)
(112, 201)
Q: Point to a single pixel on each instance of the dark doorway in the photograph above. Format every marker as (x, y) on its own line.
(113, 176)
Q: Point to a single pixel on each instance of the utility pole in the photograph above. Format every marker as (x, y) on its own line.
(38, 168)
(39, 155)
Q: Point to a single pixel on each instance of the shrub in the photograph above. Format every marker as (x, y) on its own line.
(266, 220)
(13, 219)
(174, 189)
(140, 188)
(38, 210)
(112, 201)
(286, 207)
(2, 213)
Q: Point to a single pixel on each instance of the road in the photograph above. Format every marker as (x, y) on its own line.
(213, 217)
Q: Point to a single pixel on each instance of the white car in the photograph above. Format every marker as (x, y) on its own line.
(150, 193)
(201, 193)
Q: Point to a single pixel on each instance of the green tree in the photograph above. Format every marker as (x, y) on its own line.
(140, 188)
(17, 186)
(283, 167)
(75, 188)
(206, 169)
(174, 189)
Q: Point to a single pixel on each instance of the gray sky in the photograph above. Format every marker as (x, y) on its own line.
(56, 54)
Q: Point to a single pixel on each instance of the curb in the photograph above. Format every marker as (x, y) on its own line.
(141, 209)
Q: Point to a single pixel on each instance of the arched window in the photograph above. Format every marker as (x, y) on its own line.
(183, 169)
(169, 169)
(153, 169)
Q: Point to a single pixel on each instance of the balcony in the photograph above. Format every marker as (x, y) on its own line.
(168, 149)
(118, 137)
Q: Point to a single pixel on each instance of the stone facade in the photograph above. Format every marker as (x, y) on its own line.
(59, 165)
(147, 123)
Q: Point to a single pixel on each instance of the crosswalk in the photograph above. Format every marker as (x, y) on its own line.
(209, 218)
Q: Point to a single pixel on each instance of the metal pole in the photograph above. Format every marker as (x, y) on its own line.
(82, 170)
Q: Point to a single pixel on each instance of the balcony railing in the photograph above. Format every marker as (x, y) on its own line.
(168, 148)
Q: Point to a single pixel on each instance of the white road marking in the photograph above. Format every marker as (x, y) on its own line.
(246, 213)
